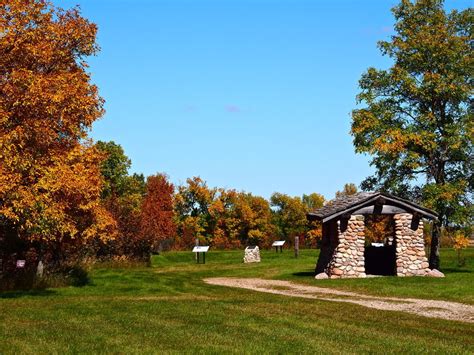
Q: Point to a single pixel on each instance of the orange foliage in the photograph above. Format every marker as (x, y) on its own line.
(315, 233)
(461, 241)
(157, 215)
(50, 179)
(379, 228)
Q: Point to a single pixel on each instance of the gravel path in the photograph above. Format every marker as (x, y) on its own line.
(427, 308)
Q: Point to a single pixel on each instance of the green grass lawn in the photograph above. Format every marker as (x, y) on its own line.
(167, 308)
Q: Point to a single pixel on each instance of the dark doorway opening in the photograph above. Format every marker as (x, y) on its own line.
(380, 260)
(380, 250)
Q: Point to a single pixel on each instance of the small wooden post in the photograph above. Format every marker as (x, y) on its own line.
(201, 257)
(196, 242)
(434, 247)
(297, 246)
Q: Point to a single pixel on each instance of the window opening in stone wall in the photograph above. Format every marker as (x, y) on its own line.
(380, 248)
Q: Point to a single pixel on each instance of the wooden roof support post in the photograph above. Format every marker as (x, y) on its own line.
(434, 248)
(378, 205)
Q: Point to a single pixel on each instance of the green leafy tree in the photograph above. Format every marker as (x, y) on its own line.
(289, 215)
(123, 196)
(192, 204)
(417, 122)
(114, 168)
(313, 201)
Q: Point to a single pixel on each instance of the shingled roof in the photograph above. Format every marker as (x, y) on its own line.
(361, 202)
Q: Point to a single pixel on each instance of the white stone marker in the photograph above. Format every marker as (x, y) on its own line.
(252, 254)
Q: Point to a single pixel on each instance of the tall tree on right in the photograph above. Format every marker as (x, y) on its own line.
(417, 122)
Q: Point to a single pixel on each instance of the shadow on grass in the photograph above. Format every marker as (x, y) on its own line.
(455, 270)
(77, 276)
(32, 285)
(303, 273)
(19, 293)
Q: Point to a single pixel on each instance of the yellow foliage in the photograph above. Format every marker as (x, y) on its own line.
(460, 241)
(314, 234)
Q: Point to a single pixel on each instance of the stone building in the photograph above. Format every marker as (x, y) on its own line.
(345, 252)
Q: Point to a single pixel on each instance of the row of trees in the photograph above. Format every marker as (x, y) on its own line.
(152, 213)
(61, 195)
(228, 218)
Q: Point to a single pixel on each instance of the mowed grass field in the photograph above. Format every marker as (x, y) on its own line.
(167, 308)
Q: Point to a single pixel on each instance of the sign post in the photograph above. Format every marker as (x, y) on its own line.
(196, 244)
(200, 250)
(297, 246)
(278, 244)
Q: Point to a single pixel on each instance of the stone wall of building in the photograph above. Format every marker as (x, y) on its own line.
(343, 247)
(348, 258)
(410, 246)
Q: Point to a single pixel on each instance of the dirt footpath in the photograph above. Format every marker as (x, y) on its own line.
(427, 308)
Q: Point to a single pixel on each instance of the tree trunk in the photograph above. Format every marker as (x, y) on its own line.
(434, 251)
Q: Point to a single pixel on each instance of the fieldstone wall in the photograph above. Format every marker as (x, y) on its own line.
(410, 246)
(342, 250)
(348, 258)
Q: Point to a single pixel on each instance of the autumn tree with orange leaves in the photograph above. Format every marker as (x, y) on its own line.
(157, 214)
(50, 181)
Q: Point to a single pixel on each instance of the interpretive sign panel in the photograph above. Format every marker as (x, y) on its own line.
(278, 244)
(200, 249)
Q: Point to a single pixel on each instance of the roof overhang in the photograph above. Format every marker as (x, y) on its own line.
(377, 204)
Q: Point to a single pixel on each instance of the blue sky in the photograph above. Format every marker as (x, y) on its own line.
(254, 95)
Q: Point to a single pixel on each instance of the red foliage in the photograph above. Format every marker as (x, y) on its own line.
(157, 214)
